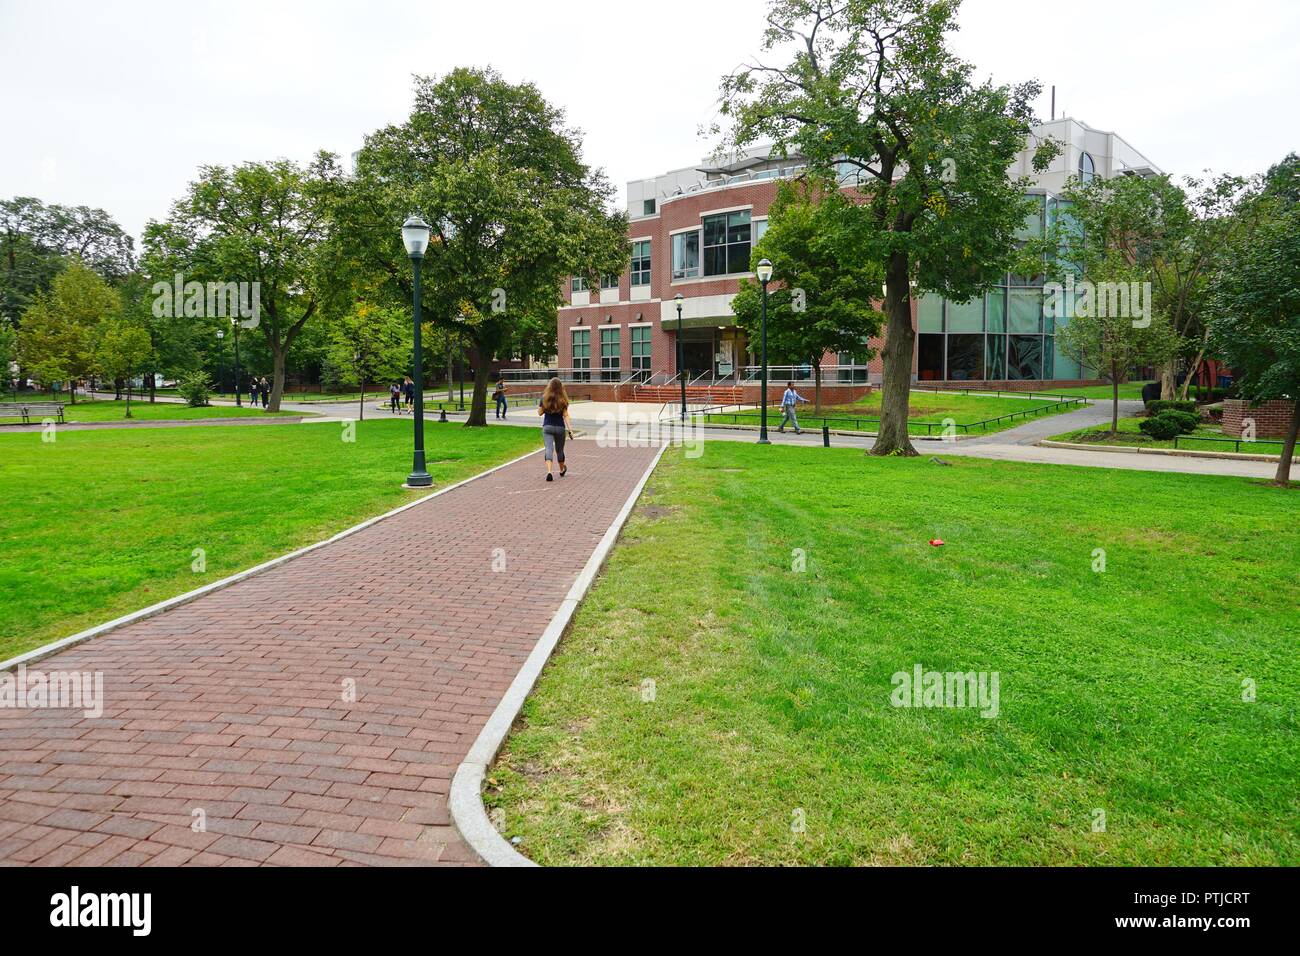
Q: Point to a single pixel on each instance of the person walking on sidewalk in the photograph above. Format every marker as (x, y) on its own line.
(788, 402)
(394, 397)
(408, 390)
(499, 396)
(556, 424)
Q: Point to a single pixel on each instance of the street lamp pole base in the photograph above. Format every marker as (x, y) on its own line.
(418, 481)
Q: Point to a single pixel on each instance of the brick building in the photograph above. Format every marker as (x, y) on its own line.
(691, 231)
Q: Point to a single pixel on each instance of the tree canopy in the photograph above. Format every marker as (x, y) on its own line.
(869, 89)
(493, 169)
(823, 299)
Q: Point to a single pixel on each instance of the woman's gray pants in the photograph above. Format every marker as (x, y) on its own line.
(553, 442)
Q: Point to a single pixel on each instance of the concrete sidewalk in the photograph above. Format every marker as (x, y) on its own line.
(313, 713)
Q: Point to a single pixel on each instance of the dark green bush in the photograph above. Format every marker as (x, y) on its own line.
(1161, 405)
(1163, 427)
(1188, 420)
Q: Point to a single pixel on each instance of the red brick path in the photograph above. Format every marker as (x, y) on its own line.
(233, 704)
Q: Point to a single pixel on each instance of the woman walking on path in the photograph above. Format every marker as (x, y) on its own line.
(554, 409)
(408, 391)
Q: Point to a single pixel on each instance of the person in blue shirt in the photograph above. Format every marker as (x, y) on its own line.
(788, 401)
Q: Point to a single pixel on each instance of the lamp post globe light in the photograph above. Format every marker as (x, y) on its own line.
(681, 372)
(764, 273)
(415, 236)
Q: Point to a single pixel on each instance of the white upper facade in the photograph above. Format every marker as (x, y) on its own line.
(1108, 154)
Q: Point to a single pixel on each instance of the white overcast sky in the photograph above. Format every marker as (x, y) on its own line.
(116, 104)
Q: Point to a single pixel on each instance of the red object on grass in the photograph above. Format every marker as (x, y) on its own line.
(936, 542)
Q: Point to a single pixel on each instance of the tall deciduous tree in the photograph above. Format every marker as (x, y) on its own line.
(870, 85)
(514, 211)
(1256, 328)
(258, 222)
(37, 240)
(57, 335)
(823, 300)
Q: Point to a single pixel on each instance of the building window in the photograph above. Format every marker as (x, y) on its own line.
(760, 227)
(609, 355)
(727, 240)
(1087, 168)
(641, 348)
(647, 207)
(641, 262)
(581, 354)
(578, 284)
(609, 282)
(686, 255)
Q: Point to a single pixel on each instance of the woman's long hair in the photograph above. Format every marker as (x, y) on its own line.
(555, 399)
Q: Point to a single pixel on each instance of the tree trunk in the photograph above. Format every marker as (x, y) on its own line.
(153, 388)
(895, 390)
(1283, 476)
(478, 404)
(1167, 381)
(817, 387)
(449, 375)
(1114, 405)
(361, 407)
(1196, 367)
(277, 379)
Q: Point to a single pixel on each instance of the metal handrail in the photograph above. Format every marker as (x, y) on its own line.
(966, 427)
(1237, 442)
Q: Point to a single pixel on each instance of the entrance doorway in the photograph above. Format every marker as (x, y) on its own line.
(697, 358)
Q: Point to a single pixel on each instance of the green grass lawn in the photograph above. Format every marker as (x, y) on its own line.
(1205, 438)
(108, 410)
(1120, 691)
(100, 523)
(924, 408)
(1127, 390)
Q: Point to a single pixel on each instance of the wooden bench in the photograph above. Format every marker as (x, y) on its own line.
(33, 410)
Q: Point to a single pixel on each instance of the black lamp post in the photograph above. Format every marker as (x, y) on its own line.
(681, 372)
(221, 360)
(234, 324)
(764, 273)
(415, 235)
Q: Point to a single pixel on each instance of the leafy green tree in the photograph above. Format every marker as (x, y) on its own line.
(369, 344)
(1170, 235)
(37, 240)
(57, 335)
(259, 223)
(824, 300)
(122, 351)
(873, 89)
(514, 211)
(8, 351)
(1113, 341)
(1256, 329)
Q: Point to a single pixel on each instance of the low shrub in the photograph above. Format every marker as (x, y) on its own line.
(1165, 405)
(195, 388)
(1187, 420)
(1166, 425)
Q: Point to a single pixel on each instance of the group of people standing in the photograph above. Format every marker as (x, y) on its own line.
(401, 393)
(259, 390)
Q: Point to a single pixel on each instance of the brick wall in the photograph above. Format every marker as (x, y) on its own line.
(1272, 419)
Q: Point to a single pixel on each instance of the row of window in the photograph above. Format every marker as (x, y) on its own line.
(721, 246)
(610, 353)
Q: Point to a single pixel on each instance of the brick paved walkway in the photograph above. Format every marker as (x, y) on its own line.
(234, 703)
